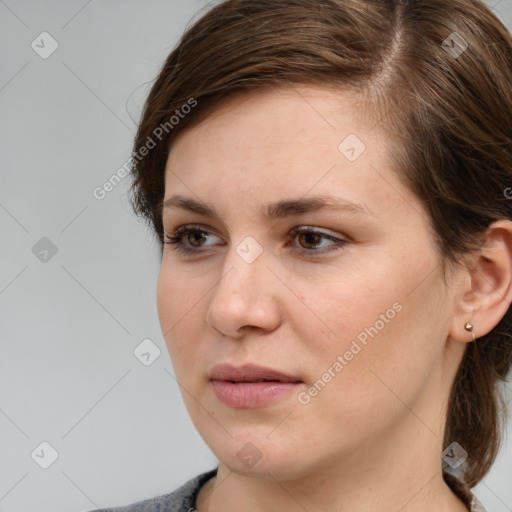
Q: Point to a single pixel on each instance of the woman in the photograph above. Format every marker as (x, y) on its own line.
(330, 181)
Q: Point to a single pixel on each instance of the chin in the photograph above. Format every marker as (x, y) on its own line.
(255, 454)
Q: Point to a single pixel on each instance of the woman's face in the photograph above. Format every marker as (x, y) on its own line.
(354, 311)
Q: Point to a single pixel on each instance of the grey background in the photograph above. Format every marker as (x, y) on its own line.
(70, 321)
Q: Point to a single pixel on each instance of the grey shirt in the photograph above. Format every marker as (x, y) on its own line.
(181, 500)
(184, 499)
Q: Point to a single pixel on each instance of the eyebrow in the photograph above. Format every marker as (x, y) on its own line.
(278, 210)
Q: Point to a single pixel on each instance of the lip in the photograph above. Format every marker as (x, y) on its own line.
(250, 386)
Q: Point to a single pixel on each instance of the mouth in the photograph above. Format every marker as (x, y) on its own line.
(249, 373)
(250, 386)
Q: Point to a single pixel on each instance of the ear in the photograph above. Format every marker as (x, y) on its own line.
(486, 290)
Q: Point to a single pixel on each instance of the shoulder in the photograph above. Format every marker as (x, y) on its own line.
(180, 500)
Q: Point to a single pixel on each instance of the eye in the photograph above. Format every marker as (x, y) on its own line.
(309, 236)
(190, 233)
(189, 239)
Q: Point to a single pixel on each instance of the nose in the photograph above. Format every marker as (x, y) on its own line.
(245, 297)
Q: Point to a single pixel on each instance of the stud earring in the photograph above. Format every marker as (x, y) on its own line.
(469, 327)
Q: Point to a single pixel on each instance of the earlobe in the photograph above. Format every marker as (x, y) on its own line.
(469, 327)
(487, 291)
(463, 328)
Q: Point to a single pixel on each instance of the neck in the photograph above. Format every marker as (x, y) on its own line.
(227, 490)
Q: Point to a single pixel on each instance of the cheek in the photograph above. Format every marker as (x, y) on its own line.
(175, 306)
(374, 324)
(356, 304)
(180, 295)
(388, 359)
(165, 300)
(182, 300)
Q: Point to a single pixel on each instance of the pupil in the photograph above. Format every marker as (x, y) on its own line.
(310, 238)
(197, 236)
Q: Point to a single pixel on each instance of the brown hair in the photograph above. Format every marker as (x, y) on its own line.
(448, 108)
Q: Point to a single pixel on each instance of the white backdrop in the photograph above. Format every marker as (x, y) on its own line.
(78, 273)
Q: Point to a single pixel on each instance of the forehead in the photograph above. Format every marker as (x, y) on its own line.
(272, 144)
(285, 110)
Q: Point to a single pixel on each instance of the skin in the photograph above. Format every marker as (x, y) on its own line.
(372, 438)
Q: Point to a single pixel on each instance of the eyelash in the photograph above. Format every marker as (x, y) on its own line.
(181, 232)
